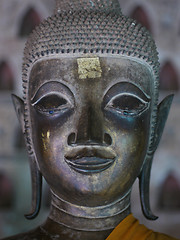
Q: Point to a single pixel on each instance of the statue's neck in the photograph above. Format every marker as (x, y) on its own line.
(84, 220)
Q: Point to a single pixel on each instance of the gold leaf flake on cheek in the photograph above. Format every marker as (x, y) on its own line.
(45, 139)
(89, 68)
(48, 134)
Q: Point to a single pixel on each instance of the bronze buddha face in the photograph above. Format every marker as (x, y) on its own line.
(90, 113)
(90, 134)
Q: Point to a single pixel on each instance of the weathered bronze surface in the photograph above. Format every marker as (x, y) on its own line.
(90, 117)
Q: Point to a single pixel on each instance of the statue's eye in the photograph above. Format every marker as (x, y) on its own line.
(126, 104)
(51, 104)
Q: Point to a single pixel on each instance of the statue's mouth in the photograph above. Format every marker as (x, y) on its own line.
(90, 159)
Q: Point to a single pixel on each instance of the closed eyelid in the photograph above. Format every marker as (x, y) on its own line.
(38, 99)
(53, 88)
(128, 105)
(125, 88)
(130, 95)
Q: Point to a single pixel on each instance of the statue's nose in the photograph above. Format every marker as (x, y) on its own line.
(90, 128)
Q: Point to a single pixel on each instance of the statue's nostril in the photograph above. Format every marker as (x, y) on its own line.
(71, 138)
(107, 139)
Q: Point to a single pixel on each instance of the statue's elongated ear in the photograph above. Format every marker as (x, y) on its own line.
(19, 108)
(36, 176)
(144, 178)
(162, 115)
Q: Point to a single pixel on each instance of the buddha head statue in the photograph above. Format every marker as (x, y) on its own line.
(90, 112)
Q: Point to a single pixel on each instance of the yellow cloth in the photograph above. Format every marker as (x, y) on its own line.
(130, 229)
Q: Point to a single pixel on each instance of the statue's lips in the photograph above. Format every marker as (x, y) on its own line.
(90, 159)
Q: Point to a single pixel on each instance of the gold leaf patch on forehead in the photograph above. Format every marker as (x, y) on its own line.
(89, 68)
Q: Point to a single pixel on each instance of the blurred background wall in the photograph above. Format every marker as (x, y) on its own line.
(17, 19)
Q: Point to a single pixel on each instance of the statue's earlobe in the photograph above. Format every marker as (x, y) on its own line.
(36, 179)
(144, 178)
(36, 176)
(19, 108)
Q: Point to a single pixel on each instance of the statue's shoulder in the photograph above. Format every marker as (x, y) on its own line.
(36, 234)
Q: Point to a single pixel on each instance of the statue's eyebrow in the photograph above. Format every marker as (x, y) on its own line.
(125, 87)
(52, 87)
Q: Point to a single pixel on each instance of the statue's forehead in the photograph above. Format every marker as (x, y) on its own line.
(83, 70)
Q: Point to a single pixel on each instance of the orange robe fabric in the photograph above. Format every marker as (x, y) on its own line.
(130, 229)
